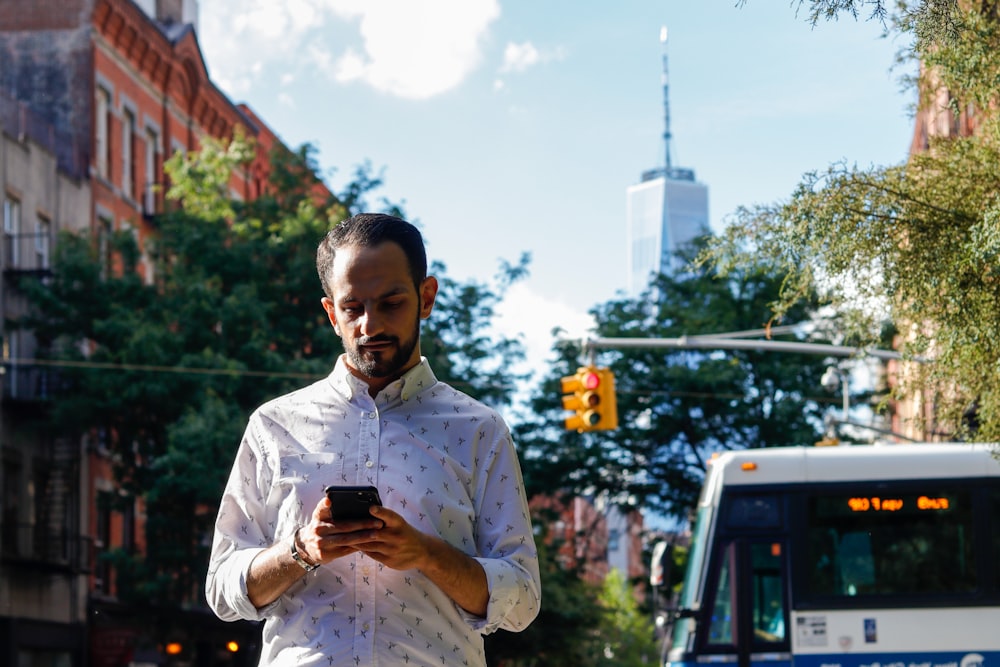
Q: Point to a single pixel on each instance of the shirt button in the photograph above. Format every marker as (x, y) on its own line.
(367, 627)
(371, 415)
(369, 464)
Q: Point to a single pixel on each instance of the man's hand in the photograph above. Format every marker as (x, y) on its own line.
(402, 547)
(323, 539)
(319, 541)
(387, 538)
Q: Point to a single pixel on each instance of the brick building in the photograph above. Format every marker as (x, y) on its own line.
(915, 416)
(94, 95)
(594, 536)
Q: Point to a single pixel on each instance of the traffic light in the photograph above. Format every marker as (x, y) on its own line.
(590, 394)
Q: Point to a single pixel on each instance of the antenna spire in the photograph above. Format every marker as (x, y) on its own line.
(666, 103)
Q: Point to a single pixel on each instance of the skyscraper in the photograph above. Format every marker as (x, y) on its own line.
(665, 211)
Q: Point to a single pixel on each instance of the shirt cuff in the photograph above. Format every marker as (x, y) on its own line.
(235, 586)
(503, 588)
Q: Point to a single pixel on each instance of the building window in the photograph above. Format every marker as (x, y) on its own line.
(43, 229)
(102, 543)
(102, 130)
(12, 354)
(149, 190)
(128, 162)
(11, 231)
(13, 474)
(104, 231)
(128, 527)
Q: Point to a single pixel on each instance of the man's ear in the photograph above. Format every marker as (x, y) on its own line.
(428, 292)
(331, 313)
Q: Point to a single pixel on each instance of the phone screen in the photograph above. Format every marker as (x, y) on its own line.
(352, 502)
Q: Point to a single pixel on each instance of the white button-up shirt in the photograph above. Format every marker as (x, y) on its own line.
(442, 460)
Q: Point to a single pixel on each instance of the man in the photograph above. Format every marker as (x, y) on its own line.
(447, 558)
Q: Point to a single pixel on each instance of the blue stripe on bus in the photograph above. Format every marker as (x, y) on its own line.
(929, 659)
(893, 659)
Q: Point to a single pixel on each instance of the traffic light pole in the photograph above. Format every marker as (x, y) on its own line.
(724, 343)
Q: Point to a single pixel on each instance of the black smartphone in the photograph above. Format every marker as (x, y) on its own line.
(352, 502)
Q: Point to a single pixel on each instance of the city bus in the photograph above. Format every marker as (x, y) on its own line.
(844, 556)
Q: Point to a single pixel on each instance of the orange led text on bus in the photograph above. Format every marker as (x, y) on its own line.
(875, 504)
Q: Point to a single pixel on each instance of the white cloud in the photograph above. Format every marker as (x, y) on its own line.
(416, 49)
(519, 57)
(408, 49)
(531, 316)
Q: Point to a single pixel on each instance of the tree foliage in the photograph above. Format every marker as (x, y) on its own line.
(918, 241)
(676, 407)
(627, 632)
(937, 21)
(163, 375)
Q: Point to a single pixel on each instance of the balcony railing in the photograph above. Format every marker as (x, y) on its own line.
(28, 252)
(41, 545)
(28, 382)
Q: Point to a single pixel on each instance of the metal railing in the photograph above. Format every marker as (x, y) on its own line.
(43, 546)
(30, 251)
(24, 382)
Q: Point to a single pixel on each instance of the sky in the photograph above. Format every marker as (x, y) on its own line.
(505, 127)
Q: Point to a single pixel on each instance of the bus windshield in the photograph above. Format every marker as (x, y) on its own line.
(893, 543)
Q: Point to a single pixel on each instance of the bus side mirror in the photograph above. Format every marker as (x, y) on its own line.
(686, 613)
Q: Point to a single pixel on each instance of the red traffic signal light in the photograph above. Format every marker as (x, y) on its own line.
(590, 394)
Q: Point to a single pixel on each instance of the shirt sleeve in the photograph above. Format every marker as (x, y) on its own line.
(240, 531)
(505, 543)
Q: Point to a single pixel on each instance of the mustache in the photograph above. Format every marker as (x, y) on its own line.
(381, 338)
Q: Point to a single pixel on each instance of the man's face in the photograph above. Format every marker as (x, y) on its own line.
(376, 310)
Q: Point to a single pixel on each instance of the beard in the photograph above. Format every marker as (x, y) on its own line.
(383, 363)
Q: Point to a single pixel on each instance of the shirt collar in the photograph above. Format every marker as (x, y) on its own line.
(413, 381)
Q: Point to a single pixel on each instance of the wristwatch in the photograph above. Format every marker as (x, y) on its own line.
(297, 557)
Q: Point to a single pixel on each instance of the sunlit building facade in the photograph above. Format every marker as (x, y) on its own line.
(666, 211)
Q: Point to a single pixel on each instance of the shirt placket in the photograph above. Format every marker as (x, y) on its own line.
(366, 569)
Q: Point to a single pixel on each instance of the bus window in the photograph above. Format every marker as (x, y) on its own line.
(857, 565)
(721, 627)
(994, 511)
(768, 595)
(748, 511)
(890, 544)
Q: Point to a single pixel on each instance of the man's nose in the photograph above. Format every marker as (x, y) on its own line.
(371, 323)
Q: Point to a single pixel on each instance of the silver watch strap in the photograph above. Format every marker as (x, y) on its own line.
(297, 557)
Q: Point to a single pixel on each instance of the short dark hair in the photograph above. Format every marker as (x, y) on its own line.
(367, 230)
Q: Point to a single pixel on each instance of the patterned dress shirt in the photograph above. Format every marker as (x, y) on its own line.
(442, 460)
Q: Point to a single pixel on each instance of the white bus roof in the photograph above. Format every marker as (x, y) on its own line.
(780, 465)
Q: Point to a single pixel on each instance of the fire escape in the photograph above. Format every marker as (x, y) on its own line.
(40, 530)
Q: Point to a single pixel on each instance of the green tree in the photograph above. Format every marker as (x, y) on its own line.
(164, 375)
(676, 407)
(913, 244)
(627, 632)
(933, 20)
